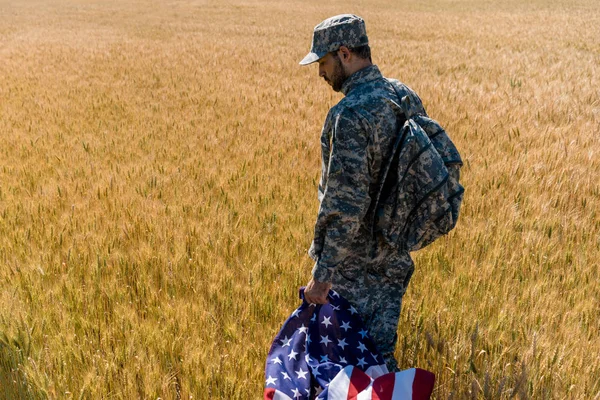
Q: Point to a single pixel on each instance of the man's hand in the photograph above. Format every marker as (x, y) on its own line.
(316, 292)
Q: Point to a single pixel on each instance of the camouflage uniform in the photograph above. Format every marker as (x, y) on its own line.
(356, 142)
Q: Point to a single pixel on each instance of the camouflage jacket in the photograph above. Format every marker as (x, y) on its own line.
(357, 140)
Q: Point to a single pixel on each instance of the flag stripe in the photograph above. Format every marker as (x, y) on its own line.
(366, 394)
(340, 385)
(272, 394)
(423, 384)
(383, 387)
(403, 386)
(359, 381)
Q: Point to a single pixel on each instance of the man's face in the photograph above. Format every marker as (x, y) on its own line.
(332, 70)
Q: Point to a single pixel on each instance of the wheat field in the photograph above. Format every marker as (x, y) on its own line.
(159, 163)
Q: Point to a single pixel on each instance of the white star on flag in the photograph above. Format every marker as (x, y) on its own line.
(315, 371)
(296, 313)
(296, 393)
(271, 380)
(343, 360)
(325, 340)
(342, 343)
(303, 329)
(324, 359)
(286, 376)
(301, 374)
(362, 347)
(345, 326)
(292, 354)
(285, 342)
(326, 321)
(361, 362)
(352, 310)
(276, 360)
(335, 308)
(363, 333)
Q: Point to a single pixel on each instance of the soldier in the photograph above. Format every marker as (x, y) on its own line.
(357, 141)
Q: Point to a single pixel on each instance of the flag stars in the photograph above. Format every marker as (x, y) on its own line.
(325, 340)
(335, 308)
(285, 342)
(342, 343)
(361, 362)
(363, 333)
(301, 373)
(286, 376)
(292, 354)
(345, 326)
(296, 393)
(296, 313)
(343, 360)
(326, 321)
(271, 380)
(362, 347)
(315, 371)
(276, 360)
(303, 329)
(352, 310)
(324, 359)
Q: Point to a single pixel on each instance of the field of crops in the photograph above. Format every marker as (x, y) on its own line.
(159, 163)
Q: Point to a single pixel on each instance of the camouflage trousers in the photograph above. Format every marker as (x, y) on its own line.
(378, 302)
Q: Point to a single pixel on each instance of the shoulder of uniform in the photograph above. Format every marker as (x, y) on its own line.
(401, 87)
(340, 109)
(405, 90)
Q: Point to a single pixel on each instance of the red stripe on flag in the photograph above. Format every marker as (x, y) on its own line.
(423, 384)
(359, 381)
(383, 387)
(269, 394)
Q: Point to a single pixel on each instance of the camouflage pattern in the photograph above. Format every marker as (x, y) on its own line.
(358, 140)
(341, 30)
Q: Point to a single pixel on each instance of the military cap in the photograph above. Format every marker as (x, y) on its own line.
(341, 30)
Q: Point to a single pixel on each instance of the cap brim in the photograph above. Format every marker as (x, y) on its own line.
(311, 58)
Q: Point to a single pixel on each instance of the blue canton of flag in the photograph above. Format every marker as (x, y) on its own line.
(315, 343)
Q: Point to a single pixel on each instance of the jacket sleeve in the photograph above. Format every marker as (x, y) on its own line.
(345, 197)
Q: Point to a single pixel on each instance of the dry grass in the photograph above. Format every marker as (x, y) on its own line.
(158, 168)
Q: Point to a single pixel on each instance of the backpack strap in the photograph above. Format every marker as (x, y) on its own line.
(403, 111)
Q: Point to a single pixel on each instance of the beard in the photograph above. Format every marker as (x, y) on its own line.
(338, 76)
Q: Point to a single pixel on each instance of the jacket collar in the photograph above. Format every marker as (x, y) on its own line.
(364, 75)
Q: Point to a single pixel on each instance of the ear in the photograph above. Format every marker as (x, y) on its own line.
(344, 54)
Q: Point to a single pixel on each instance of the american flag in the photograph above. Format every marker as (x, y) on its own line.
(323, 352)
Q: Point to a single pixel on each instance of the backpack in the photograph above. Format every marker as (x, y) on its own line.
(419, 193)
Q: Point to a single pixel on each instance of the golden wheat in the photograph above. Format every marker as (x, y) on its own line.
(158, 172)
